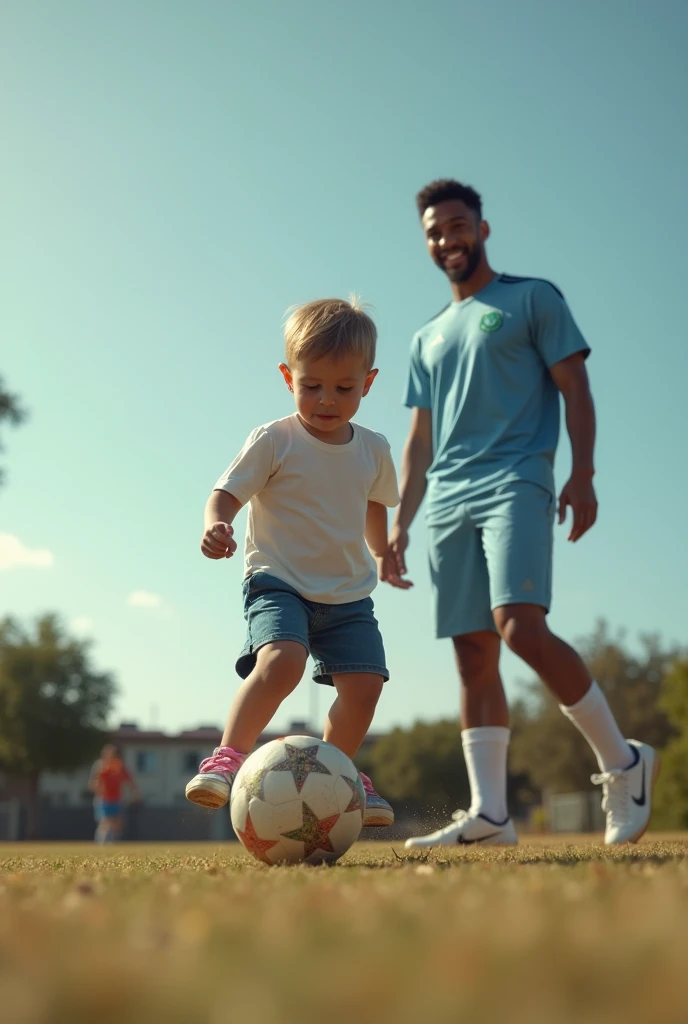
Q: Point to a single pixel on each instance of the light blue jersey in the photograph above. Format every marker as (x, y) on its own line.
(482, 367)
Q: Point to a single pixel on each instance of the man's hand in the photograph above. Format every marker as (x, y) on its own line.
(218, 541)
(579, 493)
(392, 565)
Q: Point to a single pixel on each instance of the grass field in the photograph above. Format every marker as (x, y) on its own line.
(551, 932)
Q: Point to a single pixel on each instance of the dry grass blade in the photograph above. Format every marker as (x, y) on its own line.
(536, 934)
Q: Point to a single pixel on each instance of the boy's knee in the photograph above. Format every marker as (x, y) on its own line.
(372, 690)
(282, 662)
(363, 689)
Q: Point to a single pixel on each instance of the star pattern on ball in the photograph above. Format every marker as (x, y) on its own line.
(254, 784)
(301, 761)
(314, 834)
(253, 842)
(357, 802)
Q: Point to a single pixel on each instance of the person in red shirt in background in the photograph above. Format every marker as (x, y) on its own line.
(108, 777)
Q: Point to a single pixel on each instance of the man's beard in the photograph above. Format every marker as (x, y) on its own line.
(473, 257)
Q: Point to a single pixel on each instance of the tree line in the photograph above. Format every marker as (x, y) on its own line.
(55, 705)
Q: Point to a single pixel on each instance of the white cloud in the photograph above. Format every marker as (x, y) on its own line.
(82, 625)
(144, 599)
(14, 553)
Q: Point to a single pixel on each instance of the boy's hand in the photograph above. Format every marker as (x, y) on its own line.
(392, 566)
(218, 541)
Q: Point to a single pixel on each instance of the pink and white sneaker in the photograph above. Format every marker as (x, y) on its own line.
(378, 813)
(213, 784)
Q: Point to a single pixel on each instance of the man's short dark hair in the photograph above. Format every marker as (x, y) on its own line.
(446, 188)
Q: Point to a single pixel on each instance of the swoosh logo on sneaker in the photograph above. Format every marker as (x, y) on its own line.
(469, 842)
(640, 801)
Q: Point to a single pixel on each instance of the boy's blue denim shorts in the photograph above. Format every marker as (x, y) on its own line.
(339, 637)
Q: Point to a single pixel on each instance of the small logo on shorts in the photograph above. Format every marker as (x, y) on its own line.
(491, 322)
(528, 586)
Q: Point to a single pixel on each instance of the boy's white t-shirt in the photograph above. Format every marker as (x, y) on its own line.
(307, 507)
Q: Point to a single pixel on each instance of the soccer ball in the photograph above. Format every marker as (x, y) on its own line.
(297, 799)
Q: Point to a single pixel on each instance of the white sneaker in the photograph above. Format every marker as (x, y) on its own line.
(469, 828)
(627, 796)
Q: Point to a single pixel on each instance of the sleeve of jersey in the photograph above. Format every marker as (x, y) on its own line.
(385, 489)
(251, 469)
(418, 382)
(556, 333)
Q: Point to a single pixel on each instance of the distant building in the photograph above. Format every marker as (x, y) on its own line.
(162, 764)
(575, 812)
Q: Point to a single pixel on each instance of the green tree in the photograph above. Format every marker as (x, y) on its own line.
(10, 411)
(671, 800)
(422, 769)
(552, 751)
(53, 703)
(423, 772)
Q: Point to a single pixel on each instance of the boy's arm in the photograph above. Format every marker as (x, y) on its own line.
(376, 528)
(218, 535)
(414, 467)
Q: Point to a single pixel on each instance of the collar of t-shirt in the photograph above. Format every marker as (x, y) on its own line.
(333, 449)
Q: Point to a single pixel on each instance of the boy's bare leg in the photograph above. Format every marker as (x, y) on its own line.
(350, 716)
(348, 722)
(278, 671)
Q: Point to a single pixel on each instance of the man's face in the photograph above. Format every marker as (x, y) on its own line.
(455, 238)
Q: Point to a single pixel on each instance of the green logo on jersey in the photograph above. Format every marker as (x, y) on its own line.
(491, 322)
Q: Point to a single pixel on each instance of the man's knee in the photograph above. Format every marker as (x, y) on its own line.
(524, 632)
(477, 657)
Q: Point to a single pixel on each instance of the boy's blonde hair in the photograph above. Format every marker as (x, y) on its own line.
(330, 327)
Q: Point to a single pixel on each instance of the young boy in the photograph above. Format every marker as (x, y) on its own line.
(318, 488)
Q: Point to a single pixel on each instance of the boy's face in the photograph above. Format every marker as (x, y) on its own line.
(328, 393)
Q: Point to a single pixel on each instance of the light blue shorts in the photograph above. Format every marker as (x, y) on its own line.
(342, 638)
(493, 551)
(103, 809)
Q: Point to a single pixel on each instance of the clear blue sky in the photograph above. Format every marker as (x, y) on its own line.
(174, 175)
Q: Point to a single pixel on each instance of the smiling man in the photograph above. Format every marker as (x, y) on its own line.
(484, 384)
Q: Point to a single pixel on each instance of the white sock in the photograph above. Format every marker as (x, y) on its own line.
(485, 751)
(593, 717)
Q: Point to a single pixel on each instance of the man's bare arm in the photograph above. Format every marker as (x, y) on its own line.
(415, 464)
(414, 467)
(571, 378)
